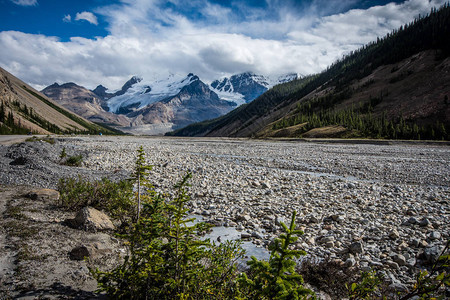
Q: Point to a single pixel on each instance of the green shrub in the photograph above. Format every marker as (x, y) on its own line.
(63, 153)
(74, 161)
(116, 198)
(276, 278)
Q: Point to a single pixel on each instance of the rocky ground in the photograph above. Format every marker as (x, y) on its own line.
(383, 207)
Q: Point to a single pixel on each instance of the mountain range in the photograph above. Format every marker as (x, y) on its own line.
(156, 107)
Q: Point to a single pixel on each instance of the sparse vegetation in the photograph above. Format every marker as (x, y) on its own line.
(116, 198)
(74, 161)
(47, 139)
(90, 127)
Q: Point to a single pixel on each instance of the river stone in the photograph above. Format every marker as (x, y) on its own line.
(400, 259)
(432, 253)
(245, 235)
(356, 248)
(424, 222)
(350, 262)
(435, 235)
(393, 235)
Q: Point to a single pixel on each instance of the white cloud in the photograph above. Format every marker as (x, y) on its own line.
(87, 16)
(67, 18)
(25, 2)
(151, 41)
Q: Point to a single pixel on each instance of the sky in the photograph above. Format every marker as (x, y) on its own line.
(106, 42)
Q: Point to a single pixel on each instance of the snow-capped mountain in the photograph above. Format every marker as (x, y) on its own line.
(245, 87)
(137, 93)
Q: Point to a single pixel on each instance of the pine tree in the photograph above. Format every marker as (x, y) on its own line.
(277, 278)
(2, 113)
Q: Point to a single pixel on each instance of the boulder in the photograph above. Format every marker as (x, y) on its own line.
(79, 253)
(91, 219)
(90, 250)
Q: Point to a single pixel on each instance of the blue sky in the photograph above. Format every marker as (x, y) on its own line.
(106, 42)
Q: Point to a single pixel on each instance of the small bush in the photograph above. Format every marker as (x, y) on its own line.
(116, 198)
(276, 278)
(63, 153)
(74, 161)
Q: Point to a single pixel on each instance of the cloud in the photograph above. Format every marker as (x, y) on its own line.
(87, 16)
(67, 18)
(149, 39)
(25, 2)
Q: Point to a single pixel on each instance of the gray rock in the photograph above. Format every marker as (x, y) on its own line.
(411, 263)
(424, 222)
(245, 235)
(432, 253)
(413, 221)
(257, 235)
(400, 259)
(350, 262)
(265, 185)
(329, 244)
(327, 239)
(356, 248)
(393, 264)
(314, 219)
(435, 235)
(398, 287)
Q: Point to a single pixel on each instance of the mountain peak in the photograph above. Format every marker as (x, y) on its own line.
(68, 85)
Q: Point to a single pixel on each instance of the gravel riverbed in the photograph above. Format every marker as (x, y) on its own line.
(383, 207)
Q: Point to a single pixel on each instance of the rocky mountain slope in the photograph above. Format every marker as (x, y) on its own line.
(85, 103)
(24, 110)
(245, 87)
(396, 87)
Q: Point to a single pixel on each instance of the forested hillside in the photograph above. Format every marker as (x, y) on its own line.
(24, 110)
(395, 87)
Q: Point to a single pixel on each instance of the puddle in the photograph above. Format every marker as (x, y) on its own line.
(231, 234)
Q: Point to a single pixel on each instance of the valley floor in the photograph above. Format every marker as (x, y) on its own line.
(383, 207)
